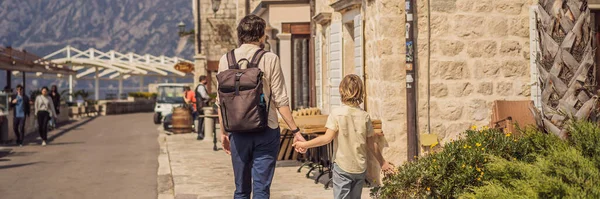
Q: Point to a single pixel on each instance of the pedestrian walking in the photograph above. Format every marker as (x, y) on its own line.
(202, 100)
(56, 101)
(248, 109)
(44, 110)
(350, 127)
(20, 103)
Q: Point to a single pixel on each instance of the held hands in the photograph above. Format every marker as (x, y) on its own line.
(299, 143)
(14, 101)
(300, 146)
(298, 139)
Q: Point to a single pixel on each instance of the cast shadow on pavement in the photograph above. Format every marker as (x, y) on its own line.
(5, 152)
(10, 153)
(33, 137)
(17, 165)
(65, 131)
(64, 143)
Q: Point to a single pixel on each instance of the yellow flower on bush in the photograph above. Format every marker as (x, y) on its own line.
(465, 146)
(483, 149)
(477, 144)
(428, 189)
(508, 134)
(482, 173)
(485, 128)
(463, 166)
(434, 144)
(478, 179)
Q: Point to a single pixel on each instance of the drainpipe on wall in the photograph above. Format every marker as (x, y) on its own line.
(411, 91)
(247, 7)
(199, 33)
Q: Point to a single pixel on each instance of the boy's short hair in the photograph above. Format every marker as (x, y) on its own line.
(202, 78)
(352, 90)
(250, 29)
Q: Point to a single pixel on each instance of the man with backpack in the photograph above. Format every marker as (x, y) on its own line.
(202, 99)
(251, 90)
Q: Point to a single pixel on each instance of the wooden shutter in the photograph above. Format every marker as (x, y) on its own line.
(358, 47)
(318, 68)
(335, 67)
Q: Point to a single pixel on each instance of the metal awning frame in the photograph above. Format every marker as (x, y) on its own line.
(114, 63)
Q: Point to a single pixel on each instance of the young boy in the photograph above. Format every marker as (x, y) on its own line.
(351, 128)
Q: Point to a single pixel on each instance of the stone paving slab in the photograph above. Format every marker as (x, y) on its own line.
(199, 172)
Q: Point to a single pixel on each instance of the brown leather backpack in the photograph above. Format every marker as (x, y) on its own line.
(241, 96)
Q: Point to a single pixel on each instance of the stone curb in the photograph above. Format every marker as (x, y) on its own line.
(165, 186)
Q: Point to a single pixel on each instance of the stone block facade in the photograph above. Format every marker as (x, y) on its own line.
(469, 53)
(218, 33)
(479, 54)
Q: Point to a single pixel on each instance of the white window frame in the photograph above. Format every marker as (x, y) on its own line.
(319, 69)
(536, 91)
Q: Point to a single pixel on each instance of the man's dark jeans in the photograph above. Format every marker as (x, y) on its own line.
(254, 156)
(19, 128)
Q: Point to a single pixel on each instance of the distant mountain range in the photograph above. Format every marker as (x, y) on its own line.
(139, 26)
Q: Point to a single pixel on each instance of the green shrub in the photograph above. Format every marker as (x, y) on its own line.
(459, 166)
(585, 137)
(490, 164)
(560, 174)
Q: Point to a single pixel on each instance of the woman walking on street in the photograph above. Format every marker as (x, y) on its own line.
(44, 110)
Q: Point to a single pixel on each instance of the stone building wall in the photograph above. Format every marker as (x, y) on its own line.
(385, 72)
(218, 34)
(479, 53)
(218, 30)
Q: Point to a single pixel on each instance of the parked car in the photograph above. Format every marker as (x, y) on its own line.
(170, 95)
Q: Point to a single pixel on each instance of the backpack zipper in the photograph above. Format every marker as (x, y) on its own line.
(224, 113)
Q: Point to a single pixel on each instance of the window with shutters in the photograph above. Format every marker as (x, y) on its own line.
(318, 69)
(300, 73)
(358, 47)
(335, 64)
(348, 48)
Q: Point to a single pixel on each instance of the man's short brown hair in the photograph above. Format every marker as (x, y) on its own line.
(202, 78)
(352, 90)
(250, 29)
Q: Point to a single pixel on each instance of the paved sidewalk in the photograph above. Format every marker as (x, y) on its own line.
(199, 172)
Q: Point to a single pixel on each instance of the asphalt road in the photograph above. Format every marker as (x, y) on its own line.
(103, 157)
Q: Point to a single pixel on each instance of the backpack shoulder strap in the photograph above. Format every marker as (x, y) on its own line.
(231, 60)
(256, 58)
